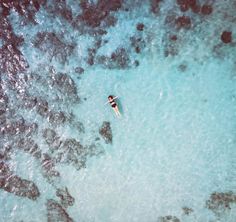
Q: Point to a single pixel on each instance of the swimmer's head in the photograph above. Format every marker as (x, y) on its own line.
(110, 97)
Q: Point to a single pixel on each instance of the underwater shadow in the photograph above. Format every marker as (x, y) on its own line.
(119, 104)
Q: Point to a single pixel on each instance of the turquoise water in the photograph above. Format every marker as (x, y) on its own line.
(174, 144)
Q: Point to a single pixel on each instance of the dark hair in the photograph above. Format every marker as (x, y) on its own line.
(110, 97)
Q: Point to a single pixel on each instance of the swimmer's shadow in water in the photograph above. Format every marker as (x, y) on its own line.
(118, 102)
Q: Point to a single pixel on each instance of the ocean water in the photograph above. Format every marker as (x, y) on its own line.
(173, 146)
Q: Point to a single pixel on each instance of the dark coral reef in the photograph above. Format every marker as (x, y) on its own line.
(65, 198)
(105, 132)
(168, 218)
(53, 45)
(55, 212)
(219, 202)
(16, 185)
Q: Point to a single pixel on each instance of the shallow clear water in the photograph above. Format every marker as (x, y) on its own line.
(175, 142)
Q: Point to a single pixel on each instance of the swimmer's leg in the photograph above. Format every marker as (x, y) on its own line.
(117, 111)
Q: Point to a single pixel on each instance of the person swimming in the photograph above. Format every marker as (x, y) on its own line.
(113, 104)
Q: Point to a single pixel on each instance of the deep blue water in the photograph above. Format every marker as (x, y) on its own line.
(65, 156)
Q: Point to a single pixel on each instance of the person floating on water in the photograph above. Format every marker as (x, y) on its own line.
(113, 104)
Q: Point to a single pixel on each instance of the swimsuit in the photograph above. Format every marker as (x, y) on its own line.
(113, 103)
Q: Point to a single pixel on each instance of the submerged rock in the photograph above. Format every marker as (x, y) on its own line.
(51, 139)
(42, 107)
(55, 212)
(155, 7)
(168, 219)
(18, 128)
(187, 210)
(185, 5)
(136, 63)
(65, 84)
(12, 60)
(65, 197)
(173, 38)
(57, 118)
(118, 59)
(72, 152)
(183, 22)
(3, 107)
(171, 50)
(91, 55)
(80, 127)
(53, 45)
(14, 128)
(105, 132)
(206, 9)
(28, 145)
(196, 8)
(16, 185)
(93, 14)
(5, 27)
(226, 37)
(220, 201)
(79, 70)
(8, 129)
(31, 129)
(5, 152)
(3, 101)
(48, 167)
(7, 34)
(140, 26)
(26, 9)
(29, 102)
(59, 8)
(49, 135)
(137, 43)
(182, 67)
(109, 21)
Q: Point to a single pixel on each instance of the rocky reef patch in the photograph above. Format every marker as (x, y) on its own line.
(187, 210)
(55, 212)
(16, 185)
(105, 132)
(226, 37)
(53, 45)
(220, 202)
(168, 218)
(66, 199)
(93, 14)
(119, 59)
(11, 58)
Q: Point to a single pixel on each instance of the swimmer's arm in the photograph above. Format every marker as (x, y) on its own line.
(108, 100)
